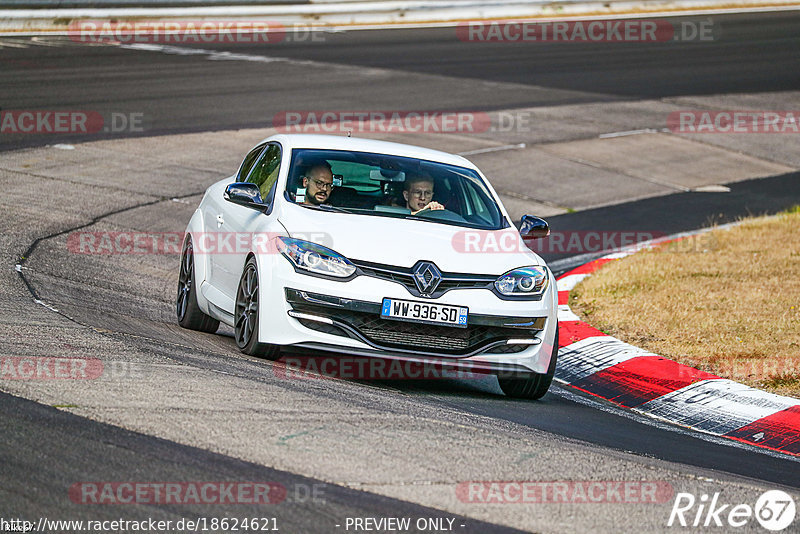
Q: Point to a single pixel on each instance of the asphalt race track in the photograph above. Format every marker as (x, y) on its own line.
(176, 95)
(185, 406)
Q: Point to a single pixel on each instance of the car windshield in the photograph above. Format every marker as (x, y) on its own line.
(391, 186)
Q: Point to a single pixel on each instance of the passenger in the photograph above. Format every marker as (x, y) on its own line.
(318, 182)
(418, 194)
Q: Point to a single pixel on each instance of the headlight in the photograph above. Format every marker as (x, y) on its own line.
(522, 282)
(314, 258)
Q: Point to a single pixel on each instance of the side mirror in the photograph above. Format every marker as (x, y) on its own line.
(245, 194)
(533, 227)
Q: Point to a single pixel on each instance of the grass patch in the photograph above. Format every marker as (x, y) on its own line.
(726, 302)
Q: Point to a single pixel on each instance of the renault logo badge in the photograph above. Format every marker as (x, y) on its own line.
(426, 277)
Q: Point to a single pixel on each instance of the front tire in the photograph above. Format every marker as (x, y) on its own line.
(186, 309)
(535, 386)
(246, 315)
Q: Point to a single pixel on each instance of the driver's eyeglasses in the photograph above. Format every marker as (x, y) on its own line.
(422, 193)
(323, 185)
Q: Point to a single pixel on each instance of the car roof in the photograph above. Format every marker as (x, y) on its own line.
(358, 144)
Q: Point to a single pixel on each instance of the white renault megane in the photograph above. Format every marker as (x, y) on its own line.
(370, 248)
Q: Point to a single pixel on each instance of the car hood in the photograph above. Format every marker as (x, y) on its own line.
(403, 242)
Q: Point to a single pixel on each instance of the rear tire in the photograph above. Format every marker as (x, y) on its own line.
(246, 316)
(535, 386)
(186, 309)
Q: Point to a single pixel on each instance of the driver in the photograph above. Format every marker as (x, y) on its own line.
(418, 193)
(318, 182)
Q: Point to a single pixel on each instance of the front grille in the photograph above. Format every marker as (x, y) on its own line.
(414, 336)
(404, 276)
(404, 334)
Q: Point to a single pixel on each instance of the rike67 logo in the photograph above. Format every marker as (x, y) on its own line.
(774, 510)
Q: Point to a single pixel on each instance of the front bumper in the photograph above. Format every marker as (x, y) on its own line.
(326, 315)
(361, 320)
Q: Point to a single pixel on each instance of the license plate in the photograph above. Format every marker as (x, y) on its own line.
(424, 312)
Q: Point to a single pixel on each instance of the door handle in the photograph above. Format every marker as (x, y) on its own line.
(220, 220)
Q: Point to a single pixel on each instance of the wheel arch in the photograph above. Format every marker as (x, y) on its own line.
(201, 268)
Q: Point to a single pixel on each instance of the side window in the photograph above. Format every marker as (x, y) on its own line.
(265, 171)
(248, 162)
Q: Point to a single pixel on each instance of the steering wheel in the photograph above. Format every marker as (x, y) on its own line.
(444, 215)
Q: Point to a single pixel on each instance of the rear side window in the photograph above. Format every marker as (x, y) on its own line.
(248, 162)
(265, 172)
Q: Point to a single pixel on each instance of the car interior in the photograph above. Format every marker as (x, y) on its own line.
(375, 182)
